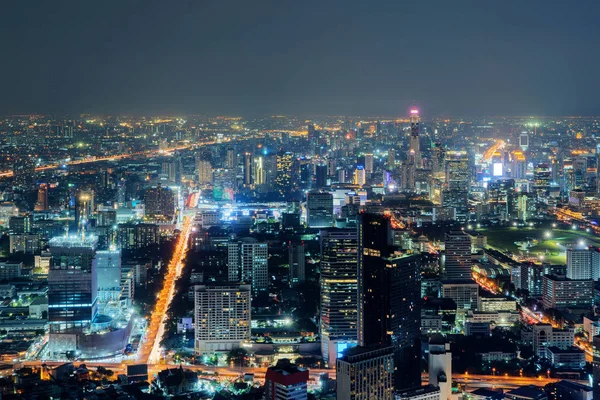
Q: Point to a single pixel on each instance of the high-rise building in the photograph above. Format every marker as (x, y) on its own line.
(596, 366)
(583, 263)
(465, 293)
(369, 163)
(259, 171)
(247, 263)
(222, 317)
(440, 366)
(137, 236)
(458, 179)
(42, 198)
(320, 176)
(458, 256)
(283, 178)
(339, 291)
(160, 202)
(365, 374)
(231, 159)
(286, 381)
(541, 181)
(319, 210)
(297, 262)
(414, 152)
(247, 168)
(108, 267)
(72, 287)
(561, 292)
(389, 298)
(524, 141)
(204, 172)
(360, 177)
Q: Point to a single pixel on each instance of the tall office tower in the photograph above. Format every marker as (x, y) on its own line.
(270, 169)
(137, 236)
(389, 298)
(583, 263)
(231, 159)
(160, 202)
(341, 175)
(339, 291)
(108, 267)
(458, 179)
(438, 157)
(168, 171)
(369, 163)
(365, 374)
(286, 381)
(458, 256)
(541, 181)
(42, 198)
(320, 176)
(519, 165)
(391, 161)
(440, 366)
(414, 152)
(72, 290)
(259, 171)
(222, 317)
(283, 178)
(524, 141)
(247, 168)
(297, 263)
(408, 175)
(360, 177)
(247, 263)
(204, 172)
(319, 210)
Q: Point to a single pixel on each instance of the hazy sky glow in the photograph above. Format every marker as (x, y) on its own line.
(301, 57)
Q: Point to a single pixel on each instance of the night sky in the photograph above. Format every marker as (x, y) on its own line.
(305, 57)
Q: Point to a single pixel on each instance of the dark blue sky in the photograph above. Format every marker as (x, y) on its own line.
(300, 57)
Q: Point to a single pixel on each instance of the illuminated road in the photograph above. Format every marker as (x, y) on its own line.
(116, 157)
(487, 156)
(149, 351)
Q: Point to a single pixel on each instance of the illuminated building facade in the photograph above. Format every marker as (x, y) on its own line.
(339, 291)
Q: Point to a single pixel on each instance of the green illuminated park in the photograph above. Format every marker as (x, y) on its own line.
(548, 243)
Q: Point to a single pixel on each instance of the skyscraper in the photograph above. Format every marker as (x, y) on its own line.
(389, 295)
(160, 202)
(339, 291)
(42, 198)
(319, 209)
(458, 256)
(108, 267)
(204, 172)
(283, 179)
(365, 374)
(222, 317)
(247, 168)
(297, 263)
(72, 290)
(414, 152)
(369, 163)
(247, 263)
(458, 179)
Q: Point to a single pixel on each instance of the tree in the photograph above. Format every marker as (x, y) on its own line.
(237, 356)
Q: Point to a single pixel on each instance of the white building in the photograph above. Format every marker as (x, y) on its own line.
(440, 366)
(221, 317)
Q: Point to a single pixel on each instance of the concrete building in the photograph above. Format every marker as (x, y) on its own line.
(365, 374)
(10, 270)
(561, 292)
(319, 210)
(108, 269)
(297, 263)
(286, 381)
(247, 263)
(440, 366)
(458, 256)
(221, 317)
(545, 336)
(339, 291)
(464, 293)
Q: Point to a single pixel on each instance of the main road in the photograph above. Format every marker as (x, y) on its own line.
(149, 350)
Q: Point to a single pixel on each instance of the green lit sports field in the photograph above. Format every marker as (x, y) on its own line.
(551, 241)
